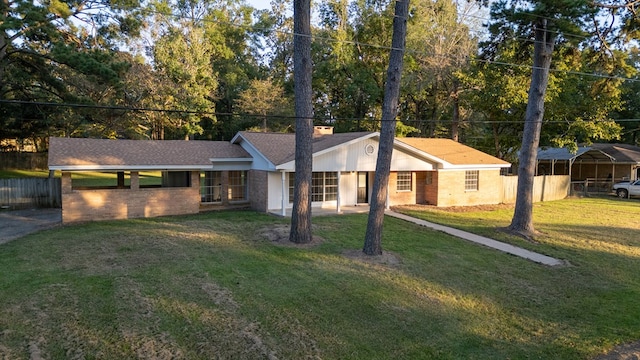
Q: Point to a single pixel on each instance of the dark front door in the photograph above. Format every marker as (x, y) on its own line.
(363, 188)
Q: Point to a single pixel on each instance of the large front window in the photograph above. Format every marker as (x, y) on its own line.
(211, 186)
(324, 186)
(237, 185)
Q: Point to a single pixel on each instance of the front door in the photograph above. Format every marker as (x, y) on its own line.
(363, 187)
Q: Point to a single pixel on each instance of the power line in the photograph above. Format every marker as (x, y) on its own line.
(290, 117)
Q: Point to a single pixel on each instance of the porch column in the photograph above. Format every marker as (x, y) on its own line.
(613, 175)
(338, 196)
(135, 180)
(283, 210)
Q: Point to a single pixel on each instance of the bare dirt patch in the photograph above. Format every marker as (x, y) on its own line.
(279, 235)
(622, 352)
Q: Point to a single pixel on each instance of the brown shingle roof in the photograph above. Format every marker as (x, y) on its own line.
(129, 154)
(622, 153)
(279, 148)
(452, 152)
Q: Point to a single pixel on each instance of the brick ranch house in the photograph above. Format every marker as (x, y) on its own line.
(257, 170)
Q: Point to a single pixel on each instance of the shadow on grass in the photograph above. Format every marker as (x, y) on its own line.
(205, 285)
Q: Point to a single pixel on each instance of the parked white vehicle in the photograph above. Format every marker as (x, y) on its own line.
(626, 189)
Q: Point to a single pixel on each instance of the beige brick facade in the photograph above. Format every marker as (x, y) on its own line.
(401, 197)
(451, 189)
(110, 204)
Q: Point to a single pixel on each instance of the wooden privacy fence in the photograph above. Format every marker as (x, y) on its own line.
(23, 160)
(30, 192)
(545, 188)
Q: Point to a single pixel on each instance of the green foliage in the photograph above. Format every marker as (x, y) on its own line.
(45, 56)
(262, 102)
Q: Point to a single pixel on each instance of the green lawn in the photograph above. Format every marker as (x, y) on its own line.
(87, 178)
(210, 286)
(15, 173)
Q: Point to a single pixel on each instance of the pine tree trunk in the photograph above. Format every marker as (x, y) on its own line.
(373, 237)
(455, 117)
(302, 66)
(522, 221)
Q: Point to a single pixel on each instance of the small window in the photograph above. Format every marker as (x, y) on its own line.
(404, 181)
(471, 180)
(429, 178)
(238, 185)
(292, 185)
(211, 186)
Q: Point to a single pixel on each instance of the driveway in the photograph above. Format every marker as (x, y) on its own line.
(18, 223)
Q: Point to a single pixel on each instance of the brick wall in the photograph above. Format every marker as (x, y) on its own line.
(431, 190)
(401, 197)
(110, 204)
(451, 189)
(258, 188)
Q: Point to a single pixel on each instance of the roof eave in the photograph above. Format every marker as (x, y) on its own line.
(128, 167)
(476, 167)
(231, 159)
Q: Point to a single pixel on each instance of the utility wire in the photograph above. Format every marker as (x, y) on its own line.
(320, 119)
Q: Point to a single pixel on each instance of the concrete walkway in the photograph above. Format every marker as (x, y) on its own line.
(509, 249)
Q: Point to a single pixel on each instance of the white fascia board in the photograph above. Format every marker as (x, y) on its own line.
(228, 160)
(408, 148)
(288, 166)
(475, 167)
(244, 143)
(128, 167)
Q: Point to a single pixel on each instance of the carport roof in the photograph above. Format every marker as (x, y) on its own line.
(105, 154)
(618, 153)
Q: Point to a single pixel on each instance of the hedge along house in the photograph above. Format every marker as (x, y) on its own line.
(257, 169)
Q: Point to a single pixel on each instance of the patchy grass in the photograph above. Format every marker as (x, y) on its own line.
(104, 179)
(86, 178)
(213, 286)
(15, 173)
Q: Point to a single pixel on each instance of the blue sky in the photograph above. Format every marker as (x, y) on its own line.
(260, 4)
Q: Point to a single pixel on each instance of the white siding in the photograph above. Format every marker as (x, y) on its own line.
(348, 188)
(353, 157)
(274, 187)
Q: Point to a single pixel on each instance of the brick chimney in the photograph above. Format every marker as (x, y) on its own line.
(322, 130)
